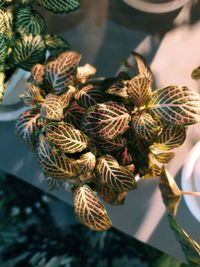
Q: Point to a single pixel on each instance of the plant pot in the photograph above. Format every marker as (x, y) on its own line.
(11, 106)
(190, 180)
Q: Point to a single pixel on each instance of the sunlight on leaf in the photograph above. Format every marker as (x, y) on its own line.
(85, 72)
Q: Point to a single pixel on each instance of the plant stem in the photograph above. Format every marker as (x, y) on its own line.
(195, 194)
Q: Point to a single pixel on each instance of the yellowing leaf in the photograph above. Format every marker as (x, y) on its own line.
(89, 210)
(114, 176)
(52, 108)
(66, 137)
(68, 96)
(175, 105)
(164, 157)
(85, 72)
(32, 95)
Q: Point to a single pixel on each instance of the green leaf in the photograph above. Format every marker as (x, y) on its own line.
(85, 72)
(196, 73)
(5, 2)
(175, 105)
(37, 74)
(28, 21)
(114, 176)
(2, 85)
(66, 137)
(32, 95)
(28, 51)
(3, 48)
(68, 96)
(167, 261)
(170, 137)
(138, 90)
(89, 210)
(107, 120)
(26, 127)
(52, 108)
(119, 89)
(6, 22)
(60, 6)
(171, 194)
(54, 163)
(61, 72)
(89, 96)
(164, 157)
(145, 126)
(74, 114)
(56, 42)
(190, 247)
(111, 145)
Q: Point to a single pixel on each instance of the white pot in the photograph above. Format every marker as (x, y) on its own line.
(11, 106)
(190, 180)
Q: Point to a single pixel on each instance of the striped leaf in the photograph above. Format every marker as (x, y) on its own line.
(118, 89)
(3, 48)
(66, 137)
(164, 157)
(54, 163)
(28, 21)
(196, 73)
(52, 108)
(26, 127)
(89, 96)
(171, 194)
(85, 166)
(60, 6)
(6, 22)
(28, 51)
(68, 96)
(74, 114)
(2, 85)
(55, 42)
(89, 210)
(111, 145)
(5, 3)
(170, 137)
(85, 72)
(175, 105)
(61, 71)
(37, 74)
(142, 67)
(145, 126)
(32, 95)
(114, 176)
(107, 120)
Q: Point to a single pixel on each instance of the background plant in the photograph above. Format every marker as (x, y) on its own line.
(23, 38)
(94, 136)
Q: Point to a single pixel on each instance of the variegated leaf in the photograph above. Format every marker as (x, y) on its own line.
(138, 90)
(107, 120)
(68, 96)
(52, 108)
(32, 95)
(85, 166)
(3, 48)
(54, 163)
(37, 74)
(28, 21)
(61, 72)
(66, 137)
(74, 114)
(26, 127)
(124, 157)
(89, 209)
(2, 85)
(142, 67)
(175, 105)
(110, 196)
(6, 22)
(170, 137)
(60, 6)
(111, 145)
(145, 126)
(85, 72)
(196, 73)
(55, 42)
(89, 96)
(114, 176)
(171, 194)
(118, 89)
(5, 2)
(28, 51)
(189, 246)
(164, 157)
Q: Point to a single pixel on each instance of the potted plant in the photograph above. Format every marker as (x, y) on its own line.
(24, 42)
(94, 137)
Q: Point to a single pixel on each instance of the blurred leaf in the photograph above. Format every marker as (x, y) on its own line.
(66, 137)
(90, 210)
(3, 48)
(175, 105)
(119, 89)
(2, 85)
(167, 261)
(6, 22)
(190, 247)
(61, 6)
(52, 108)
(55, 42)
(111, 145)
(196, 73)
(85, 72)
(68, 96)
(164, 157)
(114, 176)
(125, 158)
(74, 114)
(171, 194)
(32, 95)
(37, 74)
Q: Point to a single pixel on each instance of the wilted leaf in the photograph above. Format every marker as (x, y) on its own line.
(3, 48)
(28, 51)
(85, 72)
(118, 89)
(196, 73)
(171, 194)
(66, 137)
(2, 85)
(61, 72)
(164, 157)
(145, 126)
(85, 166)
(68, 96)
(89, 96)
(114, 176)
(110, 196)
(37, 74)
(111, 145)
(170, 137)
(52, 108)
(54, 163)
(32, 95)
(55, 42)
(90, 210)
(175, 105)
(107, 120)
(61, 6)
(74, 114)
(26, 127)
(190, 247)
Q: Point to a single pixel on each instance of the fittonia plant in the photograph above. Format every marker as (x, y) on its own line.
(94, 136)
(23, 38)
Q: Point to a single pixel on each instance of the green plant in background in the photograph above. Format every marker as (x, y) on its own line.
(23, 38)
(93, 136)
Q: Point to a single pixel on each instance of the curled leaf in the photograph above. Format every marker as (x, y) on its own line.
(68, 96)
(85, 72)
(164, 157)
(32, 95)
(85, 166)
